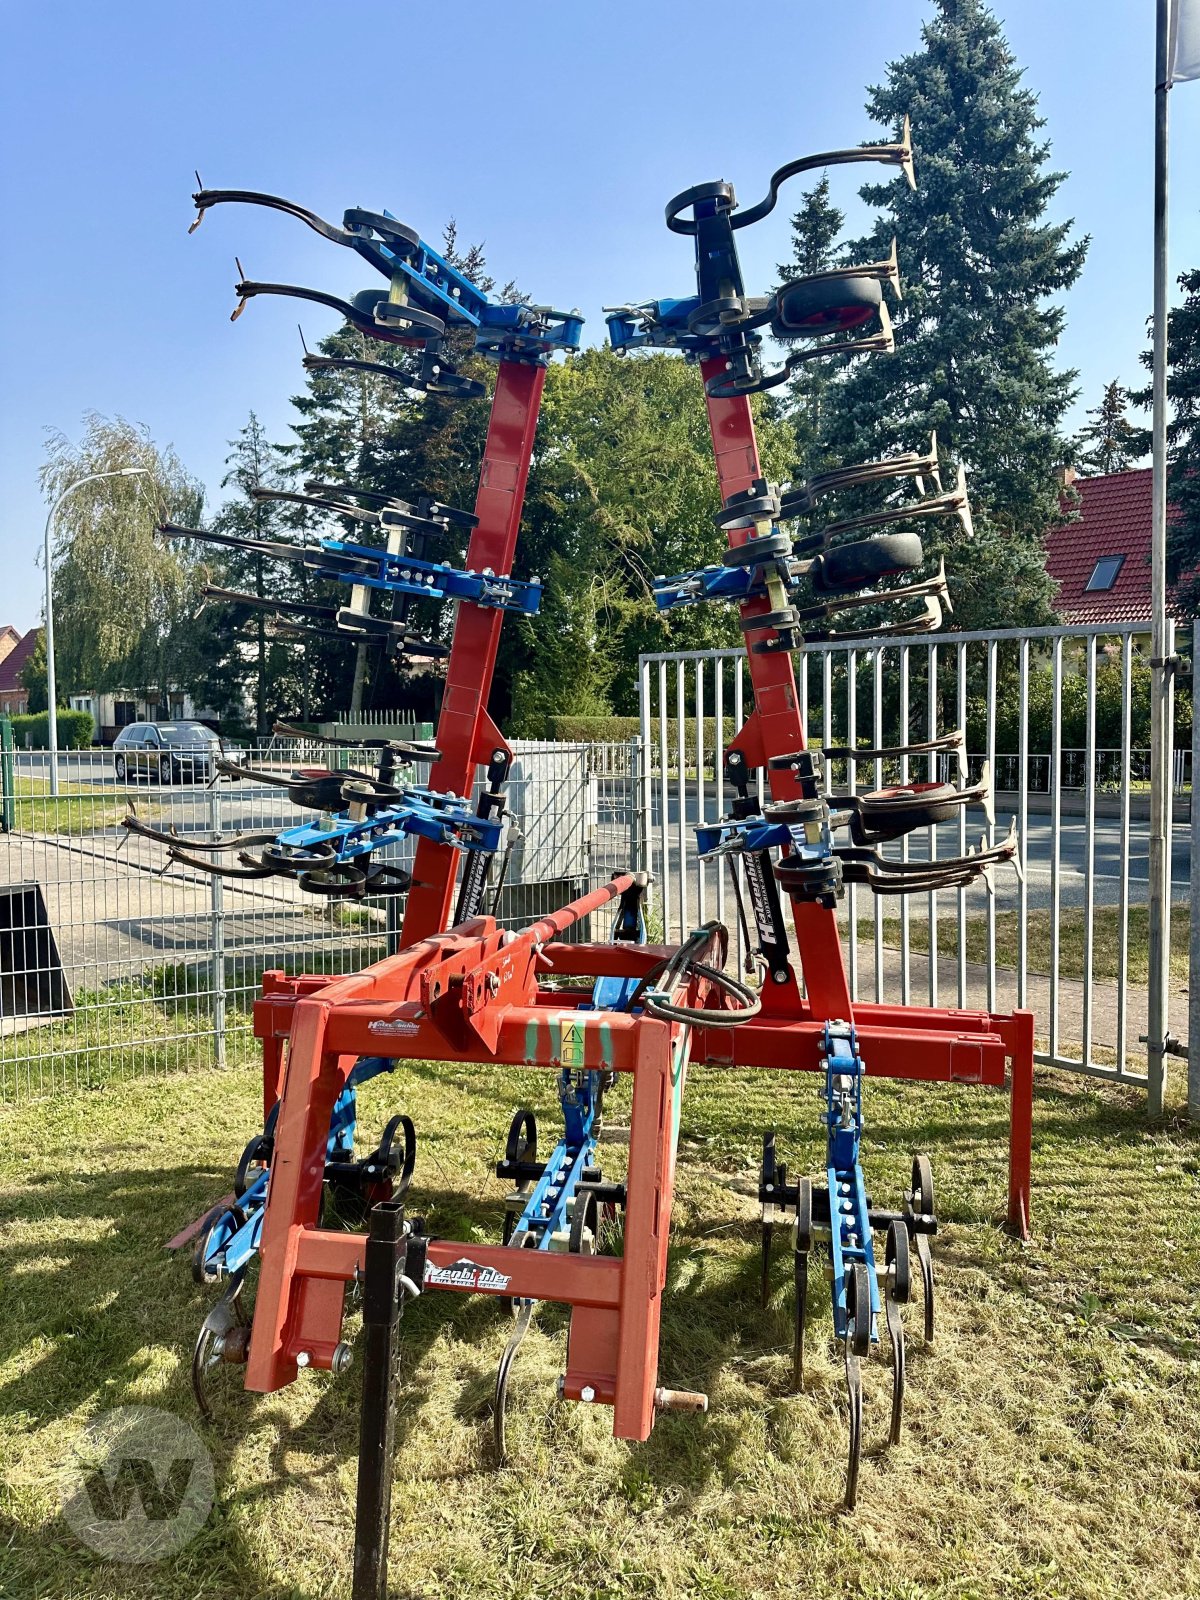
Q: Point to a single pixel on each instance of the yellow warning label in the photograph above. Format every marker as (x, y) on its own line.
(570, 1049)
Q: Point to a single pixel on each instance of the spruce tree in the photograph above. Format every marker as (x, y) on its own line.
(815, 229)
(235, 664)
(1110, 442)
(976, 329)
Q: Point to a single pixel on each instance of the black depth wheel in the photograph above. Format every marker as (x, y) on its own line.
(922, 1186)
(522, 1137)
(400, 1164)
(257, 1154)
(858, 1309)
(852, 566)
(900, 1263)
(831, 305)
(585, 1220)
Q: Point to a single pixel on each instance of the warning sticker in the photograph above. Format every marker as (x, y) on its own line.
(466, 1274)
(570, 1047)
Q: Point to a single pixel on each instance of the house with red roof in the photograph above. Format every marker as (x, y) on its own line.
(15, 651)
(1101, 561)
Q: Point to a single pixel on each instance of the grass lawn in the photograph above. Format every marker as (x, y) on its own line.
(78, 808)
(1051, 1444)
(1105, 936)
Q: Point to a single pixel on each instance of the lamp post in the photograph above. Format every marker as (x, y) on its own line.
(51, 696)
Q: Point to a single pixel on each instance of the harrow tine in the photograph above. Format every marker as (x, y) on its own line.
(895, 1327)
(524, 1318)
(800, 1274)
(249, 869)
(804, 1214)
(854, 1394)
(768, 1233)
(210, 1348)
(925, 1259)
(523, 1311)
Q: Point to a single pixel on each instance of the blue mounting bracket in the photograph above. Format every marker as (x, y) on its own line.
(849, 1217)
(657, 325)
(446, 819)
(546, 1212)
(431, 580)
(708, 583)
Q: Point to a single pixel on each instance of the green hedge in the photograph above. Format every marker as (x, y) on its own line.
(75, 730)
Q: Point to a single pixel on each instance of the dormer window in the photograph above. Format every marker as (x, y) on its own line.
(1104, 573)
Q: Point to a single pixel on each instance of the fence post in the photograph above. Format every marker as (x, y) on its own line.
(638, 827)
(8, 785)
(217, 920)
(1194, 899)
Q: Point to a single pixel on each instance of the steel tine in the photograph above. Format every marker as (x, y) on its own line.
(524, 1318)
(854, 1394)
(768, 1233)
(925, 1262)
(895, 1327)
(800, 1274)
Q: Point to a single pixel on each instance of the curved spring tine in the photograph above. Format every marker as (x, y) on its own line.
(854, 1395)
(800, 1274)
(956, 740)
(226, 1315)
(893, 153)
(249, 869)
(895, 1327)
(206, 198)
(954, 502)
(341, 507)
(425, 507)
(420, 324)
(768, 1234)
(169, 836)
(925, 1262)
(909, 463)
(524, 1318)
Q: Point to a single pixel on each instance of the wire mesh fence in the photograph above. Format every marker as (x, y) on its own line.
(1052, 712)
(114, 962)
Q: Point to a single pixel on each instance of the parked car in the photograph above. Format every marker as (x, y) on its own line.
(172, 752)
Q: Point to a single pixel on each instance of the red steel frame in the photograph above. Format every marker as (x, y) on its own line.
(466, 734)
(472, 994)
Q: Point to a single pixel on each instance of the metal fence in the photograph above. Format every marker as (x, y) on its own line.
(111, 965)
(1068, 937)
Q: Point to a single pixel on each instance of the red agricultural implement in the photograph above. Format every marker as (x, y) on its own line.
(590, 1011)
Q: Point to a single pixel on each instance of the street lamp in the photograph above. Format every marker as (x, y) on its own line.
(51, 696)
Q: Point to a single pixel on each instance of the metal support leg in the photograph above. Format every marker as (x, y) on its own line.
(383, 1303)
(1020, 1149)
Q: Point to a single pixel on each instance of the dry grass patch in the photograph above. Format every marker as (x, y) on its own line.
(1052, 1436)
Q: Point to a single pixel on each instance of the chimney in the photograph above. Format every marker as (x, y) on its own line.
(1065, 476)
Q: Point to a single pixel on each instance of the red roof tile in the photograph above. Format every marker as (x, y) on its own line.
(1114, 520)
(13, 663)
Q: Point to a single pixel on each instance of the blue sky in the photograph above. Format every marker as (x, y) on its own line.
(554, 133)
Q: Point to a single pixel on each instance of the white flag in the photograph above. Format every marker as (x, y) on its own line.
(1183, 45)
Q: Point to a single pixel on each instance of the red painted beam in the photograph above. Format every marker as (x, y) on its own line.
(776, 726)
(466, 735)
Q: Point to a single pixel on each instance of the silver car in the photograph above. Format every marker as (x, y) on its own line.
(171, 752)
